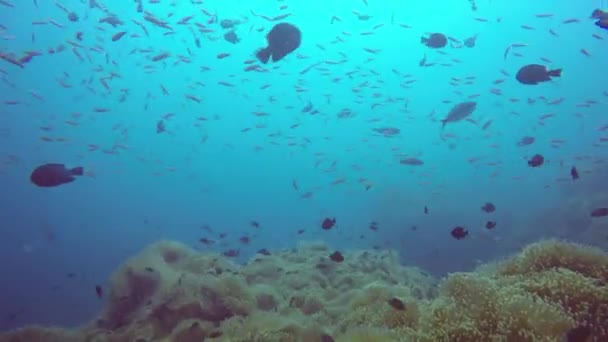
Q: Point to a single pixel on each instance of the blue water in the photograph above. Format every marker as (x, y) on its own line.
(207, 170)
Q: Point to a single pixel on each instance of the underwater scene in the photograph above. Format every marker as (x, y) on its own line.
(303, 171)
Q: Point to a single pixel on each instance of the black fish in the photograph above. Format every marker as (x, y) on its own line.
(536, 160)
(336, 256)
(283, 39)
(49, 175)
(535, 74)
(328, 223)
(397, 304)
(574, 173)
(599, 212)
(231, 37)
(490, 224)
(602, 24)
(160, 127)
(264, 251)
(435, 40)
(489, 207)
(459, 233)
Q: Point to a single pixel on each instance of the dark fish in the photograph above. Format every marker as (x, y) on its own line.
(160, 127)
(73, 17)
(328, 223)
(327, 338)
(49, 175)
(396, 303)
(490, 224)
(489, 207)
(459, 112)
(536, 160)
(426, 210)
(99, 291)
(411, 161)
(336, 256)
(228, 24)
(264, 251)
(459, 233)
(435, 40)
(470, 42)
(574, 173)
(422, 61)
(387, 131)
(283, 39)
(602, 24)
(373, 226)
(232, 253)
(118, 35)
(231, 37)
(525, 141)
(599, 14)
(254, 224)
(535, 74)
(599, 212)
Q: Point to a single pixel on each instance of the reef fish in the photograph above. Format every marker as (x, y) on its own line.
(49, 175)
(536, 160)
(411, 161)
(283, 39)
(459, 233)
(435, 40)
(328, 223)
(533, 74)
(599, 212)
(459, 112)
(488, 207)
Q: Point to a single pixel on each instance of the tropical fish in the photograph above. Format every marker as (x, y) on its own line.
(459, 112)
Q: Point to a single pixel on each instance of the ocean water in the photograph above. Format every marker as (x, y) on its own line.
(269, 153)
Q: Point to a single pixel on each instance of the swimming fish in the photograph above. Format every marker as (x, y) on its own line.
(459, 233)
(459, 112)
(49, 175)
(328, 223)
(533, 74)
(435, 40)
(283, 39)
(536, 160)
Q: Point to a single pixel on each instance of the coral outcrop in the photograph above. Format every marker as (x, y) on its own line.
(550, 291)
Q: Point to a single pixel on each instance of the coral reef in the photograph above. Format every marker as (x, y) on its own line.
(550, 291)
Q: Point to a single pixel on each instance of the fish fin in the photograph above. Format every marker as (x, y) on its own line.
(555, 73)
(77, 171)
(263, 55)
(444, 122)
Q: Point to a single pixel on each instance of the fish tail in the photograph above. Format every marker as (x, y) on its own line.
(263, 55)
(555, 73)
(423, 40)
(77, 171)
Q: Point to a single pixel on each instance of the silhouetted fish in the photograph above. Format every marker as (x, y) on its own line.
(283, 39)
(534, 74)
(435, 40)
(49, 175)
(459, 112)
